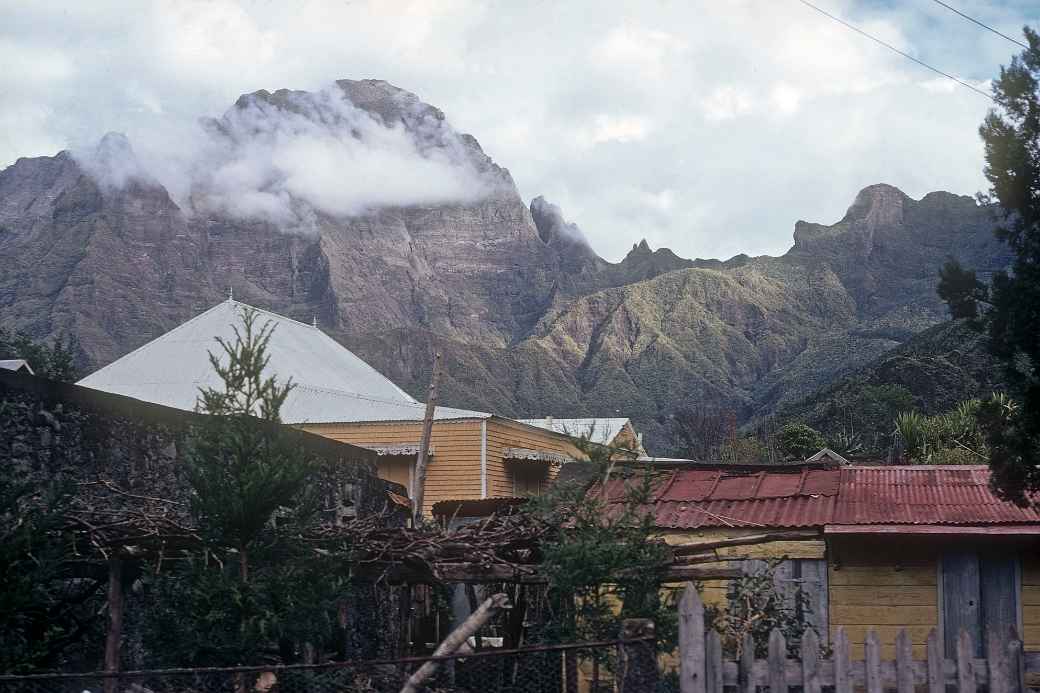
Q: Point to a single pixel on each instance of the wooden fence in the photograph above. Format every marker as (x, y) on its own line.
(702, 668)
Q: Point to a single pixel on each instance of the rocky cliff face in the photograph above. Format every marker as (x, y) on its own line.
(532, 321)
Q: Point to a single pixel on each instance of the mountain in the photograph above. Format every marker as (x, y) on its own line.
(936, 369)
(360, 207)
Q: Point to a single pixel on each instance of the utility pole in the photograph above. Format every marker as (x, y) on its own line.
(424, 443)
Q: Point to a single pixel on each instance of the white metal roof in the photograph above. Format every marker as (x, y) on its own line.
(601, 431)
(16, 365)
(332, 384)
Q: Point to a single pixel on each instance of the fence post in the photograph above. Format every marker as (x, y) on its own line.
(713, 663)
(810, 662)
(965, 665)
(746, 667)
(777, 662)
(842, 665)
(114, 636)
(1016, 662)
(872, 651)
(904, 663)
(936, 675)
(691, 641)
(638, 663)
(996, 665)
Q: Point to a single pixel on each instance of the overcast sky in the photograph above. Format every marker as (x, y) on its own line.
(706, 127)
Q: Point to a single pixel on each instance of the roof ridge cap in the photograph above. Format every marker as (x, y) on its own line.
(916, 467)
(381, 400)
(272, 313)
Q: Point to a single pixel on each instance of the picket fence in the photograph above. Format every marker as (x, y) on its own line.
(702, 669)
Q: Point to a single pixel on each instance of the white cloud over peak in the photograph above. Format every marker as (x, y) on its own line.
(707, 127)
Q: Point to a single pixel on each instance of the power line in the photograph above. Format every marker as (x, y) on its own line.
(984, 26)
(890, 47)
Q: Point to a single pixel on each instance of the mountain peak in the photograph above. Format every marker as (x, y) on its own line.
(113, 163)
(566, 237)
(879, 203)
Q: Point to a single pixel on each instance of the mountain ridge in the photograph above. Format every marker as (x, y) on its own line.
(531, 319)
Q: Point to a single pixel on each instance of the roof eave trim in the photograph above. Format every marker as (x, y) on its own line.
(949, 530)
(375, 422)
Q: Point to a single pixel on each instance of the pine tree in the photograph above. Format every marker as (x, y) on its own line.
(246, 472)
(961, 290)
(1011, 134)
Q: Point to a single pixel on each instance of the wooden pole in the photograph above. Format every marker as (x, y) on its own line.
(746, 666)
(842, 665)
(777, 663)
(965, 663)
(691, 641)
(935, 657)
(811, 662)
(872, 663)
(424, 443)
(456, 639)
(114, 637)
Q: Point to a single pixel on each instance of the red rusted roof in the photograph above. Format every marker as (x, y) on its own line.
(818, 497)
(920, 495)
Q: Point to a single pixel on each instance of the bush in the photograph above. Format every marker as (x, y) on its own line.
(797, 441)
(755, 607)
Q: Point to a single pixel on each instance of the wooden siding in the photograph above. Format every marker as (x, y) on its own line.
(454, 469)
(715, 592)
(397, 468)
(885, 586)
(504, 433)
(1031, 602)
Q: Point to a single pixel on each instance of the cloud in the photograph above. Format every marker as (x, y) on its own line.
(610, 128)
(744, 115)
(322, 150)
(280, 158)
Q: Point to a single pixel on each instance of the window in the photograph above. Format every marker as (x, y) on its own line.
(528, 479)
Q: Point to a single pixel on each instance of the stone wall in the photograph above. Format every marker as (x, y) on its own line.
(85, 436)
(117, 454)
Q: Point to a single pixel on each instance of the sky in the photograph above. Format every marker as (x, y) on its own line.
(706, 127)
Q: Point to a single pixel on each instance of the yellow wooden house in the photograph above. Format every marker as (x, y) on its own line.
(880, 548)
(474, 455)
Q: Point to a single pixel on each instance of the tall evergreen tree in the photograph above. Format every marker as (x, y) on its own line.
(254, 489)
(1011, 133)
(244, 468)
(961, 290)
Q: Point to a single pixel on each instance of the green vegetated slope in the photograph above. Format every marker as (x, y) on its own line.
(932, 372)
(751, 337)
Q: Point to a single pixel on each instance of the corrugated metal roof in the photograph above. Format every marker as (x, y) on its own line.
(953, 495)
(814, 497)
(598, 430)
(332, 384)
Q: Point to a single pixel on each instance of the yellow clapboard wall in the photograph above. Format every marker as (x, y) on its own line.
(885, 585)
(503, 434)
(1031, 602)
(714, 592)
(454, 469)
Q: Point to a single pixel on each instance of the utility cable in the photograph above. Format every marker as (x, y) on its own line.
(984, 26)
(892, 48)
